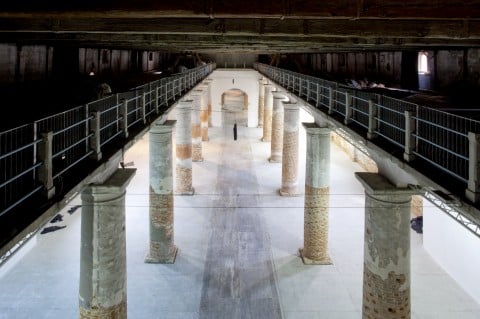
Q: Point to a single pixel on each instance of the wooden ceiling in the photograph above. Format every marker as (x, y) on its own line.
(255, 27)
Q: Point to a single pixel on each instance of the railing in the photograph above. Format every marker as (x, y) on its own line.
(34, 157)
(444, 141)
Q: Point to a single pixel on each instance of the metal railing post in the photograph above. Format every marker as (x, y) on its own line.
(473, 190)
(409, 136)
(95, 138)
(143, 106)
(372, 123)
(124, 116)
(45, 155)
(348, 109)
(330, 100)
(155, 99)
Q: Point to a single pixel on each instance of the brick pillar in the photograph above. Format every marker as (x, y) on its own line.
(276, 147)
(162, 248)
(196, 126)
(386, 270)
(261, 101)
(290, 149)
(183, 136)
(103, 267)
(267, 115)
(317, 180)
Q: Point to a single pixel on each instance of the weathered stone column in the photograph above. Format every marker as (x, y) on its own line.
(162, 249)
(208, 82)
(103, 266)
(386, 269)
(267, 115)
(204, 112)
(290, 149)
(183, 136)
(196, 126)
(276, 146)
(317, 181)
(261, 101)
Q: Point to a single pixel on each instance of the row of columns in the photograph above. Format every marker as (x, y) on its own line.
(386, 280)
(386, 287)
(102, 292)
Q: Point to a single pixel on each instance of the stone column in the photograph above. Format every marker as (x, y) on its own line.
(386, 269)
(103, 266)
(267, 115)
(204, 113)
(196, 126)
(208, 82)
(183, 136)
(261, 101)
(290, 149)
(317, 180)
(162, 248)
(276, 146)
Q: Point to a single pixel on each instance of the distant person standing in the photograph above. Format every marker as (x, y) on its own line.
(235, 131)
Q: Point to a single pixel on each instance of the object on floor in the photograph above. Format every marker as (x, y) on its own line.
(417, 224)
(57, 218)
(51, 229)
(73, 209)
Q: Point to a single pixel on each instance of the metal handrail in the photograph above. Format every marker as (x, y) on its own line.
(72, 133)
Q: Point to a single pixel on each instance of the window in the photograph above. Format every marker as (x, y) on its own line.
(150, 56)
(423, 63)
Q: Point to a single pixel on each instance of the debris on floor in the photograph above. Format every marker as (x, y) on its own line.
(51, 229)
(57, 218)
(73, 209)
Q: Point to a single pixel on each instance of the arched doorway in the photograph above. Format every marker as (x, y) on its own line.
(234, 108)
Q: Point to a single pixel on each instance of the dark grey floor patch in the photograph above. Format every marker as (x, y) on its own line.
(239, 279)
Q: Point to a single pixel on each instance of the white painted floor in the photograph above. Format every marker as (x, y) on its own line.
(41, 281)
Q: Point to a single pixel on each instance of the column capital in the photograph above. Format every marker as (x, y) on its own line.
(115, 184)
(376, 184)
(185, 103)
(290, 105)
(313, 128)
(280, 95)
(164, 128)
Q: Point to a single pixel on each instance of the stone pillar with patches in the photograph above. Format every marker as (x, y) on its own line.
(103, 262)
(261, 101)
(267, 115)
(162, 249)
(196, 96)
(276, 146)
(183, 136)
(208, 82)
(317, 180)
(204, 111)
(290, 149)
(386, 268)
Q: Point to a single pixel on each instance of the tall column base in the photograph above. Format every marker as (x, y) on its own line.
(170, 259)
(307, 261)
(189, 192)
(289, 192)
(115, 312)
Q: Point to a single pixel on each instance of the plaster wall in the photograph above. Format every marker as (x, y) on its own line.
(453, 247)
(244, 80)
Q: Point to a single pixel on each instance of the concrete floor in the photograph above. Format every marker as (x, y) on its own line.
(238, 243)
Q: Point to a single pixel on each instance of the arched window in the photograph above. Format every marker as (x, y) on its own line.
(423, 62)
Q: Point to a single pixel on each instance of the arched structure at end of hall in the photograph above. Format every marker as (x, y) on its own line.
(234, 107)
(245, 80)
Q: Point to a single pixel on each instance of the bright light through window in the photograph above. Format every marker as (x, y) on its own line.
(422, 63)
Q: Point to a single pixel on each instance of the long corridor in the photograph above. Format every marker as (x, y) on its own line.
(238, 244)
